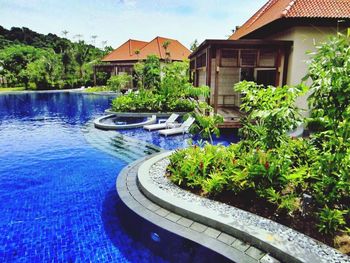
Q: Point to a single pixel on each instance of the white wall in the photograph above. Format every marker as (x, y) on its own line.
(305, 38)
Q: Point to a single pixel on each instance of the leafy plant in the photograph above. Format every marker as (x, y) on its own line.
(271, 112)
(119, 82)
(207, 122)
(331, 220)
(292, 174)
(151, 72)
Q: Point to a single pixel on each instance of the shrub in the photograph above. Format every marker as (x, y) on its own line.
(279, 169)
(119, 82)
(271, 112)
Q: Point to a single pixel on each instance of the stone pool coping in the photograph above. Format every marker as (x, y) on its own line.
(282, 242)
(222, 243)
(106, 126)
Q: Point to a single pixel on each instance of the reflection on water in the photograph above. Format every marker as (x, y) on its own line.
(53, 184)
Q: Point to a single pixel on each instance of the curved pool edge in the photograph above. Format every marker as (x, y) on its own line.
(273, 241)
(98, 123)
(225, 245)
(144, 114)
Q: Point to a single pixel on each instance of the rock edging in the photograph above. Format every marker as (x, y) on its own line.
(282, 242)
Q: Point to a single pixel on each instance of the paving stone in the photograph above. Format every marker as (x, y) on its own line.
(227, 239)
(212, 232)
(240, 245)
(173, 217)
(269, 259)
(153, 207)
(185, 222)
(198, 227)
(255, 253)
(162, 212)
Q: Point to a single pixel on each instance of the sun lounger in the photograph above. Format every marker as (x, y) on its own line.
(184, 128)
(162, 125)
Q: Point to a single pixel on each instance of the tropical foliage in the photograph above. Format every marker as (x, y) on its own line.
(40, 61)
(119, 82)
(300, 177)
(164, 90)
(207, 122)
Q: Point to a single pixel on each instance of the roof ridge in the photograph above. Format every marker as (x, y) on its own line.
(262, 10)
(288, 8)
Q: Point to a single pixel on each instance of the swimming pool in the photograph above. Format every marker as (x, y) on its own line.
(57, 180)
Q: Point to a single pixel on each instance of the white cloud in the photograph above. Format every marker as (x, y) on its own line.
(117, 21)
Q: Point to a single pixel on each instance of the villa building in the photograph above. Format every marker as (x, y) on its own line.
(270, 48)
(122, 59)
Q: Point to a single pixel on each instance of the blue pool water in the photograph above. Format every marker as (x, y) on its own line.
(57, 180)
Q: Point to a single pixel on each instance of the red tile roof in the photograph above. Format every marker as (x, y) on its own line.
(126, 51)
(279, 9)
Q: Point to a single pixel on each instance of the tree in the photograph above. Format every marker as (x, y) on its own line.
(137, 53)
(175, 79)
(139, 74)
(271, 113)
(45, 72)
(119, 82)
(14, 60)
(21, 46)
(165, 45)
(151, 72)
(194, 45)
(81, 55)
(207, 122)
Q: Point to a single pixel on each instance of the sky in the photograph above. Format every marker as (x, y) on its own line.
(116, 21)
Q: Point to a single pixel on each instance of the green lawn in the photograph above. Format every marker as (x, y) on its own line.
(12, 89)
(98, 89)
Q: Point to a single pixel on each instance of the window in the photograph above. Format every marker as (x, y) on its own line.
(248, 58)
(266, 77)
(267, 58)
(229, 58)
(201, 60)
(247, 74)
(192, 64)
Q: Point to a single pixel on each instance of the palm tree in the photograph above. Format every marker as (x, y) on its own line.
(194, 45)
(78, 36)
(165, 45)
(137, 53)
(93, 37)
(65, 33)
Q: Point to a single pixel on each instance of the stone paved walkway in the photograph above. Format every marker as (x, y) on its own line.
(229, 246)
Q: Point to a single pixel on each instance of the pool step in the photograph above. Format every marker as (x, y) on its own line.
(123, 147)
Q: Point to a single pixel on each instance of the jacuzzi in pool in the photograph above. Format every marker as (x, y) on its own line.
(115, 122)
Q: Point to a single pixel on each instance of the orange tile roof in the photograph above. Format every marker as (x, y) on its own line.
(279, 9)
(126, 51)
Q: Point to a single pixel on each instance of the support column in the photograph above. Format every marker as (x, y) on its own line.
(287, 52)
(216, 88)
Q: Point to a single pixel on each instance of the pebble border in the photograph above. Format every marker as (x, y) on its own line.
(282, 242)
(220, 242)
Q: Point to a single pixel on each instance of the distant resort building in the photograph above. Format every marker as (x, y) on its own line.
(122, 59)
(270, 48)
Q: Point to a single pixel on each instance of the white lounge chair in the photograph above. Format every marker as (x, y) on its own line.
(184, 128)
(162, 124)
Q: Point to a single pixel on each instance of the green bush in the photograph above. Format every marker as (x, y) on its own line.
(147, 101)
(119, 82)
(268, 164)
(170, 93)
